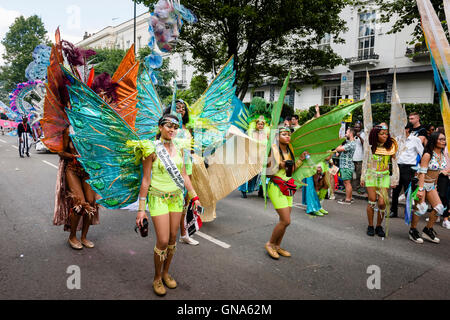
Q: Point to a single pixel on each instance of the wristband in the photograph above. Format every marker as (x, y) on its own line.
(195, 199)
(142, 205)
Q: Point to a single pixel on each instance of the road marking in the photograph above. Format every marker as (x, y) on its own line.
(15, 147)
(209, 238)
(3, 141)
(50, 164)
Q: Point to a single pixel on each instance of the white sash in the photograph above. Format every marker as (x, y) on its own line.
(171, 168)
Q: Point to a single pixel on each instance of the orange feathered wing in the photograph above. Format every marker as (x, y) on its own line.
(55, 120)
(126, 78)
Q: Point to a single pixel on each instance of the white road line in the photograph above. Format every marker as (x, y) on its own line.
(50, 164)
(209, 238)
(3, 141)
(15, 147)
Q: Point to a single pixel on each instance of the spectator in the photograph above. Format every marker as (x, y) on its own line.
(418, 130)
(287, 123)
(358, 156)
(406, 161)
(294, 122)
(346, 166)
(430, 129)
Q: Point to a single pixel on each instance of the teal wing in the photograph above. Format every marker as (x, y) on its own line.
(100, 137)
(210, 115)
(241, 114)
(318, 137)
(149, 105)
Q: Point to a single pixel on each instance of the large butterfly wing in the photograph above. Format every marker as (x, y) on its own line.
(100, 137)
(213, 110)
(150, 107)
(126, 78)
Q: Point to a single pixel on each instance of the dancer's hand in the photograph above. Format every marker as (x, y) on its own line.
(420, 195)
(304, 155)
(197, 203)
(363, 183)
(141, 215)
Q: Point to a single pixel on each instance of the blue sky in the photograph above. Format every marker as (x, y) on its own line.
(74, 17)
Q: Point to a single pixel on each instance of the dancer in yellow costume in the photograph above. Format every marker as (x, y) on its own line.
(163, 181)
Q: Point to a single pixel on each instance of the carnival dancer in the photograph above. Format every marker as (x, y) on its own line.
(75, 206)
(23, 130)
(281, 188)
(432, 164)
(163, 182)
(376, 177)
(260, 133)
(185, 134)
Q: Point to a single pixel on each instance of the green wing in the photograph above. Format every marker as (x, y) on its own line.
(318, 137)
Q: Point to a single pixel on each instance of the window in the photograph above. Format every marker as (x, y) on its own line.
(331, 95)
(378, 92)
(325, 42)
(258, 94)
(366, 36)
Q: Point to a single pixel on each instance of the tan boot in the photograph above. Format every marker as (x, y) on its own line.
(272, 252)
(169, 281)
(158, 287)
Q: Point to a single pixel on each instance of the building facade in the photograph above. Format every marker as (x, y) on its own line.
(369, 47)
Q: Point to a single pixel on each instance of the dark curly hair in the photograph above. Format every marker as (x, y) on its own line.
(373, 139)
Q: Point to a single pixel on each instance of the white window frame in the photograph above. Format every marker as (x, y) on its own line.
(366, 34)
(331, 97)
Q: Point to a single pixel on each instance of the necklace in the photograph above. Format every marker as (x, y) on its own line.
(164, 141)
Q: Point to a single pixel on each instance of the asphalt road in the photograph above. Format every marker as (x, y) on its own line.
(331, 255)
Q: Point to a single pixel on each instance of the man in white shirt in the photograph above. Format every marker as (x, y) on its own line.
(406, 161)
(358, 156)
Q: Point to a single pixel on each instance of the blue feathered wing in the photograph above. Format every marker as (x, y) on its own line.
(100, 137)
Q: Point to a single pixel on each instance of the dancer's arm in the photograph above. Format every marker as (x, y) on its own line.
(145, 184)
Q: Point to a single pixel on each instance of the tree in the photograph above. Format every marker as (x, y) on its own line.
(404, 13)
(107, 60)
(19, 42)
(198, 85)
(266, 37)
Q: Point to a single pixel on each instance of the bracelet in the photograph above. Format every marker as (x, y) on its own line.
(192, 195)
(142, 205)
(195, 199)
(142, 199)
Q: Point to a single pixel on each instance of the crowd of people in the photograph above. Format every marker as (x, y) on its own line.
(423, 163)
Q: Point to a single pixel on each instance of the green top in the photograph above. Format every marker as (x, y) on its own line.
(161, 179)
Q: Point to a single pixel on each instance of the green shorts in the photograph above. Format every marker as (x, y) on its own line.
(378, 179)
(160, 205)
(278, 199)
(346, 174)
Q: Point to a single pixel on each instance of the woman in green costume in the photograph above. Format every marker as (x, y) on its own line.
(376, 175)
(163, 181)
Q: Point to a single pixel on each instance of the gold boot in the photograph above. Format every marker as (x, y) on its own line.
(158, 288)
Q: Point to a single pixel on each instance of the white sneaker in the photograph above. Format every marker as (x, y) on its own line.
(446, 224)
(437, 220)
(186, 239)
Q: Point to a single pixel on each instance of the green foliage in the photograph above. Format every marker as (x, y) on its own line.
(107, 60)
(267, 38)
(403, 13)
(19, 42)
(198, 85)
(429, 113)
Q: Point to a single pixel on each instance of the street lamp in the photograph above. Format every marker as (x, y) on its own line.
(134, 27)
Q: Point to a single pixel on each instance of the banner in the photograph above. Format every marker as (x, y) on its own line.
(8, 124)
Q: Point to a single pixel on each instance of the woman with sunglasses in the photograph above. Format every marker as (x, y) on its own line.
(281, 188)
(376, 177)
(432, 164)
(163, 182)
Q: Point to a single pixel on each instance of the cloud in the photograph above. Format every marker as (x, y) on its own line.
(7, 18)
